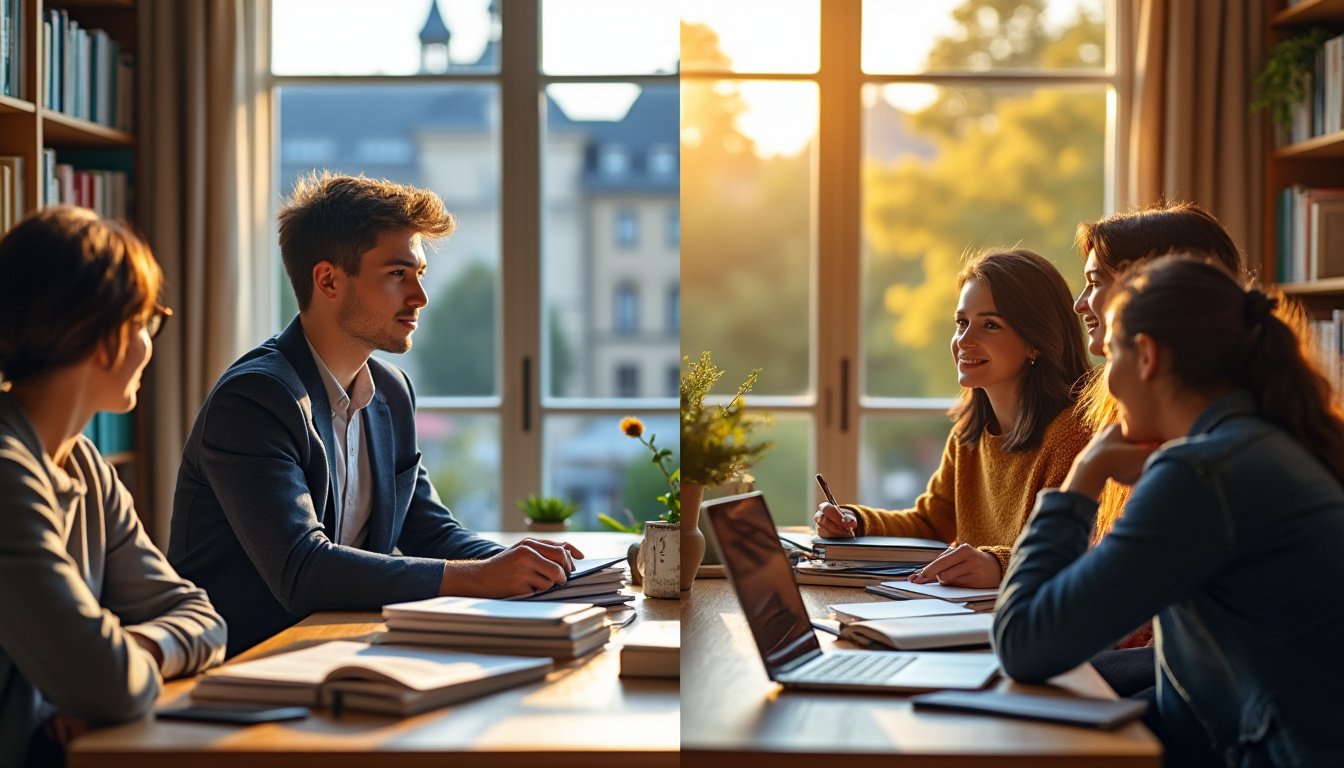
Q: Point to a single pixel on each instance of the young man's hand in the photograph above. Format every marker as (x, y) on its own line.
(528, 567)
(961, 566)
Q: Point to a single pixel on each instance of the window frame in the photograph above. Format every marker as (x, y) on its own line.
(521, 405)
(835, 404)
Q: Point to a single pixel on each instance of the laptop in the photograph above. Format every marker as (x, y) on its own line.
(760, 575)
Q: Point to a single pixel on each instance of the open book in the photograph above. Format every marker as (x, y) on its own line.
(888, 549)
(922, 632)
(846, 613)
(397, 680)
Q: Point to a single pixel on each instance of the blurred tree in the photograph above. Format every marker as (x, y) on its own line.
(461, 324)
(1013, 167)
(746, 236)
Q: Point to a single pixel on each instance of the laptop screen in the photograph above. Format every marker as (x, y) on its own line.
(761, 577)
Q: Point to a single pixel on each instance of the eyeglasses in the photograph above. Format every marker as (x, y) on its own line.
(155, 322)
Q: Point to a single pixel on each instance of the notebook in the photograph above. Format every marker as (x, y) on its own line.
(919, 633)
(1096, 713)
(898, 609)
(652, 649)
(887, 549)
(910, 590)
(761, 577)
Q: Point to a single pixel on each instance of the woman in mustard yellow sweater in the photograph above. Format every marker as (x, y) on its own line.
(1019, 352)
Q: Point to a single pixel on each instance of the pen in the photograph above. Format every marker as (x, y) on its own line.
(826, 489)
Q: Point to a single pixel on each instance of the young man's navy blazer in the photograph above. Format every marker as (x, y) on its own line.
(253, 515)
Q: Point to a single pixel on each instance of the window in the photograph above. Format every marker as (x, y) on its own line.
(674, 381)
(662, 160)
(674, 228)
(674, 309)
(627, 381)
(952, 126)
(626, 313)
(627, 228)
(606, 79)
(613, 160)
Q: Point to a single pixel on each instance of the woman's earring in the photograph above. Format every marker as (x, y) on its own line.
(1033, 361)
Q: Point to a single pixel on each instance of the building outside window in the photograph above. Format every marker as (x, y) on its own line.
(626, 228)
(425, 92)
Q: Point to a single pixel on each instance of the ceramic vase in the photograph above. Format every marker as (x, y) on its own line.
(692, 538)
(660, 559)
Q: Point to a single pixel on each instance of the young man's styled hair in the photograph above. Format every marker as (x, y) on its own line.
(69, 281)
(338, 218)
(1035, 302)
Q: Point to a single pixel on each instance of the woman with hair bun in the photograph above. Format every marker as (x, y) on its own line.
(1230, 537)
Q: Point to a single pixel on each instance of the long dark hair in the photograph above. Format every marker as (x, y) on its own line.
(1122, 239)
(1035, 302)
(1222, 334)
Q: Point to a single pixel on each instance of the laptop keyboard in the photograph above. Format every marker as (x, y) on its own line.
(860, 667)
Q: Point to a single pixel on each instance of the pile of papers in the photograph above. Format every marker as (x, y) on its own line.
(558, 630)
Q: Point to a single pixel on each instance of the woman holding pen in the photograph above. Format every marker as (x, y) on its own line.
(1230, 536)
(1019, 353)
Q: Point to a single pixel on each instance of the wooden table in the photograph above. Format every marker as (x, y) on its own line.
(582, 715)
(733, 715)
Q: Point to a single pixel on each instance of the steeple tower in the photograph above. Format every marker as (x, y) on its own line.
(434, 42)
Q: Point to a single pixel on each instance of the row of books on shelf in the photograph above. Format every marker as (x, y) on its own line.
(1310, 234)
(107, 192)
(1321, 110)
(1329, 338)
(112, 432)
(87, 75)
(11, 64)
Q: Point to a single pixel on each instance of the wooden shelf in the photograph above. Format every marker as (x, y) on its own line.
(90, 3)
(1330, 145)
(120, 457)
(1324, 286)
(12, 106)
(60, 130)
(1309, 12)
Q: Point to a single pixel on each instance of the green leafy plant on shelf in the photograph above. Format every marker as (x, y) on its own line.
(633, 526)
(1286, 77)
(547, 509)
(716, 439)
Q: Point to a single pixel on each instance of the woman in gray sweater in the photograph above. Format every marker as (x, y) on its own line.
(94, 617)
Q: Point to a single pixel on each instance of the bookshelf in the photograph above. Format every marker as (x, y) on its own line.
(102, 37)
(1316, 162)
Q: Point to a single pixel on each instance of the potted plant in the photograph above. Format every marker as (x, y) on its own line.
(1285, 80)
(716, 445)
(659, 559)
(547, 513)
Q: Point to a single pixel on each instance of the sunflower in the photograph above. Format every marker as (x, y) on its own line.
(632, 427)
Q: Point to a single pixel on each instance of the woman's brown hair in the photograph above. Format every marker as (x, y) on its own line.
(1222, 334)
(69, 281)
(1035, 302)
(1127, 238)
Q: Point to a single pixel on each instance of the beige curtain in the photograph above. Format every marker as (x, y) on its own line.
(1191, 133)
(201, 113)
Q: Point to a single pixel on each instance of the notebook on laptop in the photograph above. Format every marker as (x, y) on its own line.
(760, 575)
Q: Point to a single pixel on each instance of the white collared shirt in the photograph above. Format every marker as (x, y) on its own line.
(352, 478)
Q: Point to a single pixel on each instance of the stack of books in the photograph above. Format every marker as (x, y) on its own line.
(866, 560)
(652, 649)
(392, 680)
(558, 630)
(594, 580)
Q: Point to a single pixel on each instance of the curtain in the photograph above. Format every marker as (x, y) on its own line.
(1189, 85)
(199, 202)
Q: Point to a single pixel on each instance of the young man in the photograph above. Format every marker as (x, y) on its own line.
(302, 472)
